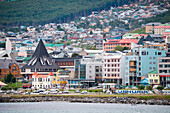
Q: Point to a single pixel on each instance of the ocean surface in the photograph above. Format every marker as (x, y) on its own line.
(66, 107)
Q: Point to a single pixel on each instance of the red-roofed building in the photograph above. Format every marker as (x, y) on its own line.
(42, 80)
(160, 29)
(111, 44)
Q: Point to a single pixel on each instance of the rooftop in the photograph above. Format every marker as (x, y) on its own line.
(154, 72)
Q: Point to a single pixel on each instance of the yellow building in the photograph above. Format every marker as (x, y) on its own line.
(61, 78)
(154, 78)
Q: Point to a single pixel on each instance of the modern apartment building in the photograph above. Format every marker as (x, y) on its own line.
(89, 70)
(139, 63)
(164, 69)
(113, 67)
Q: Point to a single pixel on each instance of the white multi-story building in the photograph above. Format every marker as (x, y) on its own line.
(42, 81)
(113, 67)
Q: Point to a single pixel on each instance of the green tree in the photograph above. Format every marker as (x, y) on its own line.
(75, 55)
(91, 32)
(8, 78)
(149, 88)
(93, 48)
(160, 88)
(141, 87)
(13, 80)
(119, 48)
(126, 48)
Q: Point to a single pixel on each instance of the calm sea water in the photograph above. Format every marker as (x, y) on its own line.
(66, 107)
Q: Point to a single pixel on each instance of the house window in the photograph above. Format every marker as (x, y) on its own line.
(143, 52)
(14, 68)
(108, 60)
(159, 53)
(156, 80)
(151, 80)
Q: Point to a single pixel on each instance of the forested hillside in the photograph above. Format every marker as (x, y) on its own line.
(163, 18)
(34, 12)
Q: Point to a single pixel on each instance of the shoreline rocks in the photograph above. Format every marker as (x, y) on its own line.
(120, 100)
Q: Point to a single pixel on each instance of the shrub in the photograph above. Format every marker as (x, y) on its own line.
(149, 87)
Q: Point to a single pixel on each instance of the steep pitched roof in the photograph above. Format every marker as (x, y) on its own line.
(40, 59)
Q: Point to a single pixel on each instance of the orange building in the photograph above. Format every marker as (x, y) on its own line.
(8, 66)
(111, 44)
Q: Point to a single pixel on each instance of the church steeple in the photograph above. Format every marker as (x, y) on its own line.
(41, 60)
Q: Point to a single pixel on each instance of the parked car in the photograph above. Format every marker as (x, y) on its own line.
(35, 91)
(9, 92)
(108, 91)
(53, 92)
(46, 92)
(84, 92)
(76, 91)
(66, 91)
(21, 92)
(16, 92)
(2, 91)
(28, 93)
(60, 92)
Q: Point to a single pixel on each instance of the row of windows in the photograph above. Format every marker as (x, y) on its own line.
(152, 63)
(152, 67)
(112, 60)
(164, 71)
(147, 53)
(14, 75)
(155, 80)
(112, 70)
(42, 86)
(112, 75)
(165, 66)
(112, 65)
(65, 63)
(153, 75)
(9, 71)
(41, 79)
(164, 60)
(115, 44)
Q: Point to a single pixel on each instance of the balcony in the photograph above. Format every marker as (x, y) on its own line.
(132, 69)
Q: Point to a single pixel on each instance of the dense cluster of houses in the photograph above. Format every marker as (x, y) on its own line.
(63, 55)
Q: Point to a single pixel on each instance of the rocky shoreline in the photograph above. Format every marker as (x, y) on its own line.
(120, 100)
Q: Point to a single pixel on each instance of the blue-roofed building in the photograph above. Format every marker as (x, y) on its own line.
(144, 82)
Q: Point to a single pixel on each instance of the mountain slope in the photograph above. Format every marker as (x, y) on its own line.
(30, 12)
